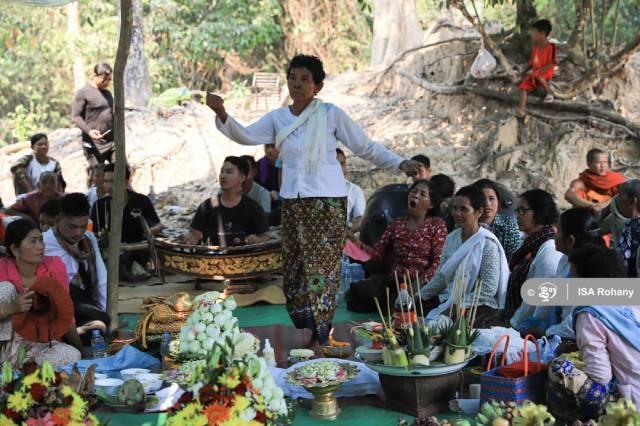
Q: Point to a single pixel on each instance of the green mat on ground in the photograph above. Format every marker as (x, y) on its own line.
(258, 315)
(352, 416)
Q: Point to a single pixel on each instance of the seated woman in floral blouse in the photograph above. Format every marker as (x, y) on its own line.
(472, 256)
(414, 242)
(503, 226)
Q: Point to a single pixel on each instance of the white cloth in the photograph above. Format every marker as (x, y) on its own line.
(53, 248)
(544, 265)
(463, 268)
(315, 116)
(329, 181)
(35, 169)
(356, 203)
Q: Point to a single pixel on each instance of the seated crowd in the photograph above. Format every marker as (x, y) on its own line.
(480, 235)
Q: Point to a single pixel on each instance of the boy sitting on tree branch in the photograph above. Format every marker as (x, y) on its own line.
(541, 66)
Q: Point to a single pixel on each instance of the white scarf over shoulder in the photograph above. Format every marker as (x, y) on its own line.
(463, 269)
(315, 115)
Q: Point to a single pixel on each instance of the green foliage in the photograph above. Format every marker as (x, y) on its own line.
(190, 38)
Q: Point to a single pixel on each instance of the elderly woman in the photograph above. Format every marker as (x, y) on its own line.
(472, 256)
(414, 242)
(608, 339)
(18, 272)
(537, 257)
(503, 226)
(313, 190)
(628, 203)
(29, 205)
(27, 170)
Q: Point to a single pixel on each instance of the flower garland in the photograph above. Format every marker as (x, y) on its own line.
(38, 397)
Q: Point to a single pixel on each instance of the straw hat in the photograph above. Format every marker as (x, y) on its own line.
(50, 316)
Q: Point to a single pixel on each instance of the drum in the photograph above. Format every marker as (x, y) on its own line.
(385, 205)
(220, 263)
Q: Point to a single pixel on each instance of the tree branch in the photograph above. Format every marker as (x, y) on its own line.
(602, 70)
(488, 41)
(580, 108)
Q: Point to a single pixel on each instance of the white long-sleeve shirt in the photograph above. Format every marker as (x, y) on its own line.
(329, 181)
(53, 248)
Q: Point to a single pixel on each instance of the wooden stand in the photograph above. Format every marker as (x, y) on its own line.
(420, 396)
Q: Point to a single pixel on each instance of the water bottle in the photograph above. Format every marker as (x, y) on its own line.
(164, 348)
(404, 313)
(98, 345)
(269, 354)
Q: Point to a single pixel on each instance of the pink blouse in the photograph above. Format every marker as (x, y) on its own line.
(606, 355)
(50, 267)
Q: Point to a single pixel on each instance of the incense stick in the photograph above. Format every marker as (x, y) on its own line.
(384, 323)
(473, 319)
(389, 305)
(420, 296)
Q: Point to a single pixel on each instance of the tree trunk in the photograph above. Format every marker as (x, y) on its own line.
(121, 162)
(526, 15)
(576, 44)
(395, 29)
(137, 83)
(73, 37)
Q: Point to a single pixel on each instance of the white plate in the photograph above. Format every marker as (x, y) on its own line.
(369, 354)
(132, 373)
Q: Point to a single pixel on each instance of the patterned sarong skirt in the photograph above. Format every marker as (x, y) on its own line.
(313, 235)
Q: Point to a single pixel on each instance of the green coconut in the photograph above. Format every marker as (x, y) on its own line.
(131, 393)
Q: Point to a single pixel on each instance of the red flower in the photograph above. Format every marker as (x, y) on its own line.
(38, 391)
(29, 367)
(186, 398)
(61, 416)
(261, 417)
(58, 378)
(13, 415)
(67, 401)
(10, 387)
(207, 394)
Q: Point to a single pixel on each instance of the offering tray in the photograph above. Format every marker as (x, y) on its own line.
(437, 368)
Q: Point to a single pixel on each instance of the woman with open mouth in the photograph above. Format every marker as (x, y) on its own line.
(413, 242)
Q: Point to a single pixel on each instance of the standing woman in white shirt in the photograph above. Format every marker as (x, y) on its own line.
(313, 187)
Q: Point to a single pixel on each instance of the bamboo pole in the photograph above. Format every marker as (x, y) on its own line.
(117, 201)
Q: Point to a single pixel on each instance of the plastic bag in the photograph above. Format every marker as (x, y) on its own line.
(483, 65)
(548, 348)
(488, 337)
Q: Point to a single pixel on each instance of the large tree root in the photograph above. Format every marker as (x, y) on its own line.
(609, 117)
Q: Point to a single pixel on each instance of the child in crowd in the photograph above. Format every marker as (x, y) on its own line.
(541, 66)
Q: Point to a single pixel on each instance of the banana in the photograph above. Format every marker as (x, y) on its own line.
(481, 419)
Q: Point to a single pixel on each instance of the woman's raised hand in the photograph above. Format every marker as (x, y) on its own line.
(216, 103)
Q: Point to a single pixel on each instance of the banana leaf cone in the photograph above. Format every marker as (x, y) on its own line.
(457, 342)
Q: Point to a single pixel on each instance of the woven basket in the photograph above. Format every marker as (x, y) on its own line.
(163, 315)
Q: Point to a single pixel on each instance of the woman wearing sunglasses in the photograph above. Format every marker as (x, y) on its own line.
(537, 215)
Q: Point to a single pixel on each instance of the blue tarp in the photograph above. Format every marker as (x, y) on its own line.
(127, 357)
